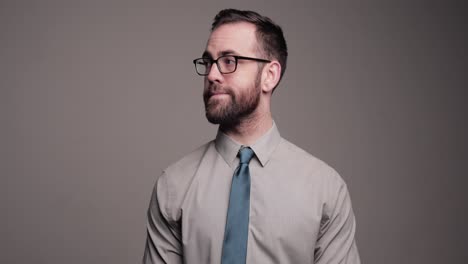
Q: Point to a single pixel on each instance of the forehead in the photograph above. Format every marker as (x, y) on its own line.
(236, 37)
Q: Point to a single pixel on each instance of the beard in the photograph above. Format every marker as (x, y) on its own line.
(229, 112)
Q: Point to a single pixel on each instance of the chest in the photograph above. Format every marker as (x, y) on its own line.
(285, 210)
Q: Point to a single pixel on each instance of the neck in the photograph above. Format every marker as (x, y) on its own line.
(249, 129)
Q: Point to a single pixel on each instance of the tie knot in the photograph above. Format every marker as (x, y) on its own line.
(245, 155)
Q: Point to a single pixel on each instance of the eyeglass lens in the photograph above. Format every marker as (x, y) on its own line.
(226, 64)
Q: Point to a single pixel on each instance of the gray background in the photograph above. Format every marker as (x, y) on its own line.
(97, 97)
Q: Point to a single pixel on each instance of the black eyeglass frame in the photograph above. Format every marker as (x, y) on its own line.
(236, 57)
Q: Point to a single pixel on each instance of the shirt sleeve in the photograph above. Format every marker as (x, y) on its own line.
(336, 243)
(163, 243)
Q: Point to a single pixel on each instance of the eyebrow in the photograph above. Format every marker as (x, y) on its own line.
(207, 54)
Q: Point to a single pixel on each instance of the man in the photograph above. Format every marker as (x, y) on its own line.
(249, 196)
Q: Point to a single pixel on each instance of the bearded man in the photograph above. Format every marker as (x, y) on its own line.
(248, 196)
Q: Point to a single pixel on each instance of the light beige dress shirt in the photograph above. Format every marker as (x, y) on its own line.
(300, 209)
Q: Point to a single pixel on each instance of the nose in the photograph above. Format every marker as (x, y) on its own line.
(214, 75)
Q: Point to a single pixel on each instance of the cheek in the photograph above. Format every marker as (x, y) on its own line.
(243, 82)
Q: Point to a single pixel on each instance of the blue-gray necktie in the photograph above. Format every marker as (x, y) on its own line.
(237, 223)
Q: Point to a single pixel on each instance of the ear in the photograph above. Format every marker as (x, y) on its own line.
(271, 76)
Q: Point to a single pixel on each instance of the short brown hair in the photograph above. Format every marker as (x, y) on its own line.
(269, 34)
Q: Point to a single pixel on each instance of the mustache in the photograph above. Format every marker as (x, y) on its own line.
(216, 89)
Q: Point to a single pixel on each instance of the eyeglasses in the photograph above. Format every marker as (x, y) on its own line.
(226, 64)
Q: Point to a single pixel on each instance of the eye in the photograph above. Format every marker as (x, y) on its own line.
(229, 60)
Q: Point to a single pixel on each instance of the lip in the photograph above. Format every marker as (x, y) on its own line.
(217, 94)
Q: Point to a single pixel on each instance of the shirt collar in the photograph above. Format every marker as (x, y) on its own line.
(263, 147)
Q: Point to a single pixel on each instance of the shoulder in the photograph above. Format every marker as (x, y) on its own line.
(191, 160)
(179, 174)
(181, 170)
(175, 179)
(314, 167)
(319, 178)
